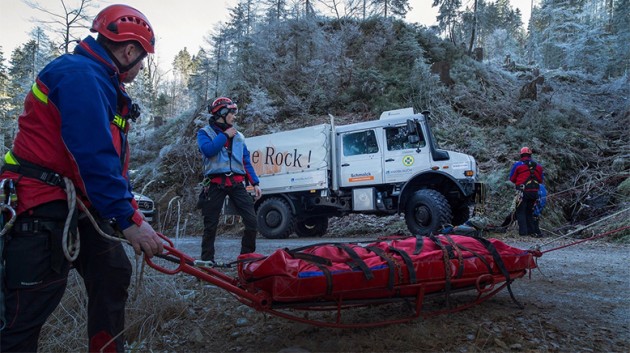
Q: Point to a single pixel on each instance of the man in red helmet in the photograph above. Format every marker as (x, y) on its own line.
(70, 160)
(527, 176)
(226, 167)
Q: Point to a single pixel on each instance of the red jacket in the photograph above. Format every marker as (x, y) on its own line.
(520, 173)
(74, 123)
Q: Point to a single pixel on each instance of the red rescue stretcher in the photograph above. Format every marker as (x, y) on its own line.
(333, 277)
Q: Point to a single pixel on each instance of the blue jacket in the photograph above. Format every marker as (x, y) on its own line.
(74, 124)
(216, 158)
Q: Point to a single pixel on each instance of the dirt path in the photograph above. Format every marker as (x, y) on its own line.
(577, 301)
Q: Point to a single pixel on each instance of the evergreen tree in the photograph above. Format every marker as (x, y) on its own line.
(25, 63)
(200, 80)
(391, 8)
(620, 62)
(275, 10)
(448, 15)
(6, 124)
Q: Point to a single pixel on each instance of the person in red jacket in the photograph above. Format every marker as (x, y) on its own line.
(68, 169)
(527, 176)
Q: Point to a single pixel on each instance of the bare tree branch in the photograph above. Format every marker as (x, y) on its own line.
(66, 21)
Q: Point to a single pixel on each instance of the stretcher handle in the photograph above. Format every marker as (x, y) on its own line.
(485, 283)
(173, 255)
(259, 300)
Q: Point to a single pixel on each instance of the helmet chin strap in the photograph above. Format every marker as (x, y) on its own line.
(122, 69)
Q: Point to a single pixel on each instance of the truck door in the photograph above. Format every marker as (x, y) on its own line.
(401, 158)
(360, 159)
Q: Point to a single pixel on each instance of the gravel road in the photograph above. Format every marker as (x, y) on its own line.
(576, 301)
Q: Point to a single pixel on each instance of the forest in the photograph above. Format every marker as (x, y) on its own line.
(559, 84)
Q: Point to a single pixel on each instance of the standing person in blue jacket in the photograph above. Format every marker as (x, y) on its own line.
(226, 169)
(70, 157)
(527, 175)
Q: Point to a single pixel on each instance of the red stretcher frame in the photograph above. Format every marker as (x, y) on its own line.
(485, 286)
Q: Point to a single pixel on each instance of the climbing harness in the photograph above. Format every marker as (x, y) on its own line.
(71, 243)
(531, 184)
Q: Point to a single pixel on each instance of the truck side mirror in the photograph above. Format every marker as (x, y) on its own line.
(411, 128)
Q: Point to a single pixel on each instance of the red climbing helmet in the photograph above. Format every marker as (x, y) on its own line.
(222, 106)
(526, 150)
(121, 23)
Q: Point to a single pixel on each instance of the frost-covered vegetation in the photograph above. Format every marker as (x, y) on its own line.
(475, 71)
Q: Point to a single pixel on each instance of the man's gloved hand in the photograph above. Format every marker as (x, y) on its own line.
(144, 239)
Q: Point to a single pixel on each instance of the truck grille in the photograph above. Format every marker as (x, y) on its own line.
(145, 205)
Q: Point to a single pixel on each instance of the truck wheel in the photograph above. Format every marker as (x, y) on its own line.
(460, 214)
(275, 220)
(312, 227)
(427, 211)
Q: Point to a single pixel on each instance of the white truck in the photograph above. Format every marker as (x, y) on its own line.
(380, 167)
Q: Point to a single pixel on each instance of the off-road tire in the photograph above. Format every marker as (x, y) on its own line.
(274, 218)
(427, 211)
(312, 227)
(461, 214)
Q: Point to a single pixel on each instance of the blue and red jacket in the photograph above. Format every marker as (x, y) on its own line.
(217, 160)
(519, 174)
(74, 124)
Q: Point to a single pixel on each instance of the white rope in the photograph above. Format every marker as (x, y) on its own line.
(71, 242)
(584, 227)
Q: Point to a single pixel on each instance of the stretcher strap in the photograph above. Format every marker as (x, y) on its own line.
(357, 261)
(328, 275)
(311, 246)
(390, 264)
(408, 262)
(499, 261)
(482, 258)
(319, 261)
(446, 255)
(315, 259)
(497, 258)
(460, 257)
(419, 244)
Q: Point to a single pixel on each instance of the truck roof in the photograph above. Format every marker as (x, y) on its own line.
(391, 119)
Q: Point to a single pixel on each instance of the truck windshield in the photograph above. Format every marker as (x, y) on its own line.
(397, 139)
(356, 143)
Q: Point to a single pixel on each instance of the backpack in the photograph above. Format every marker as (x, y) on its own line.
(541, 202)
(531, 184)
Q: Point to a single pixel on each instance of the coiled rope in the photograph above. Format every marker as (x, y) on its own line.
(71, 242)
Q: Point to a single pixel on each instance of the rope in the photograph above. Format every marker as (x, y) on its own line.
(587, 226)
(587, 239)
(480, 200)
(71, 242)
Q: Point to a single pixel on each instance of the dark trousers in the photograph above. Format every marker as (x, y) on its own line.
(525, 214)
(211, 205)
(36, 275)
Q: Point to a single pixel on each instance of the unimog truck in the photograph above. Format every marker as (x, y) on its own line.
(382, 167)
